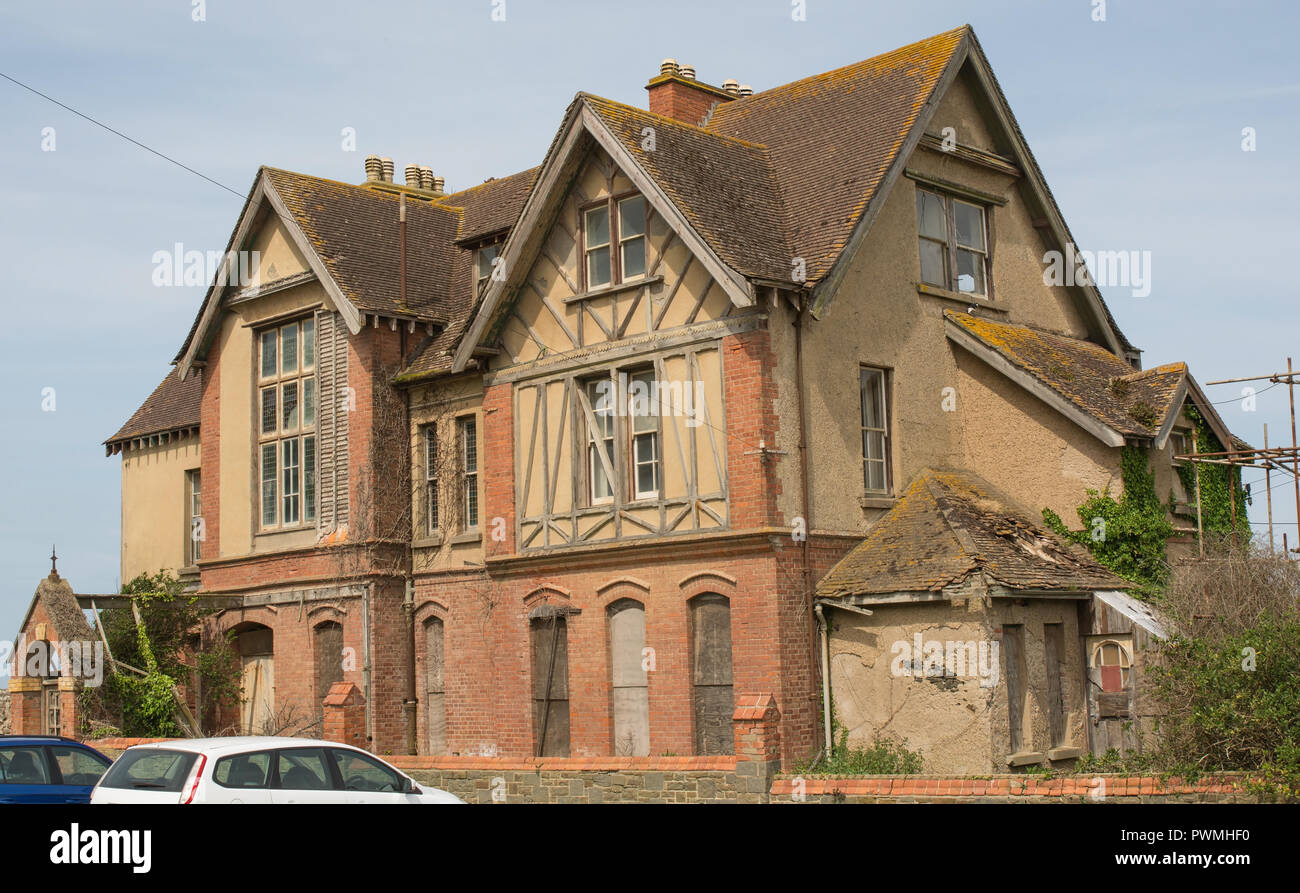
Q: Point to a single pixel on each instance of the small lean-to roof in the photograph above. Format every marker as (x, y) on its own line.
(948, 527)
(1086, 375)
(492, 206)
(173, 406)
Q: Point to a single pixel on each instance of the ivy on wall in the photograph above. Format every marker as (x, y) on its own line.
(1216, 498)
(1127, 535)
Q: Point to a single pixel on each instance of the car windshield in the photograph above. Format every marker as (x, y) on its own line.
(150, 769)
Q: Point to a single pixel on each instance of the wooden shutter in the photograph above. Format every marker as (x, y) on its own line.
(331, 420)
(711, 674)
(550, 647)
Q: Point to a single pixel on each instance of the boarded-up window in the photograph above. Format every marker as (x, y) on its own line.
(1013, 654)
(711, 674)
(550, 647)
(434, 688)
(1054, 651)
(631, 696)
(328, 644)
(256, 646)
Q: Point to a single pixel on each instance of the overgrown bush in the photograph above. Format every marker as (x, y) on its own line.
(1228, 682)
(884, 756)
(152, 657)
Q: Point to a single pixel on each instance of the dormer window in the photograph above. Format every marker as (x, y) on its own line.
(484, 261)
(609, 260)
(953, 243)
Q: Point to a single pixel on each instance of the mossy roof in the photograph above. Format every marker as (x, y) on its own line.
(948, 527)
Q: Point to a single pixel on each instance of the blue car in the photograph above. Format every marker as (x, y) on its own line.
(48, 769)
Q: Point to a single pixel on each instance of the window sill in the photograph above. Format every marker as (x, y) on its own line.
(614, 289)
(472, 536)
(959, 297)
(877, 502)
(1025, 758)
(1065, 753)
(432, 541)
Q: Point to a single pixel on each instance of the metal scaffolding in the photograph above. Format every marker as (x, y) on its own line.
(1270, 459)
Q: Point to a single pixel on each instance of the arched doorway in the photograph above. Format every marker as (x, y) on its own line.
(255, 644)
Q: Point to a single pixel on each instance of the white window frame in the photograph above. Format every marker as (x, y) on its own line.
(487, 253)
(606, 415)
(885, 461)
(431, 478)
(287, 496)
(953, 247)
(194, 504)
(467, 436)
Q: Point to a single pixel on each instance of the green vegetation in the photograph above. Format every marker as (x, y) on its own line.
(155, 656)
(1216, 498)
(1127, 535)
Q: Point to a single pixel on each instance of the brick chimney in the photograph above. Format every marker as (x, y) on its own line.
(675, 93)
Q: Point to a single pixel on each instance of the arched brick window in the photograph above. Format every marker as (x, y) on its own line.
(434, 687)
(714, 699)
(628, 680)
(549, 635)
(327, 645)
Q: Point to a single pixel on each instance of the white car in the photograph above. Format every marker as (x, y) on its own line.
(257, 770)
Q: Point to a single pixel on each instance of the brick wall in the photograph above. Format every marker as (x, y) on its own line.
(750, 391)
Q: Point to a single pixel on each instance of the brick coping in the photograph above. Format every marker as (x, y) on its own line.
(567, 764)
(1005, 785)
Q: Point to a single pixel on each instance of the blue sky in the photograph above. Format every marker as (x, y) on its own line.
(1136, 121)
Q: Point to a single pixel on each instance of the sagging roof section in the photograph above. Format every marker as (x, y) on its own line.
(948, 527)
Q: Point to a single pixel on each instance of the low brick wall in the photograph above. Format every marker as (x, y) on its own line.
(1100, 788)
(113, 747)
(602, 780)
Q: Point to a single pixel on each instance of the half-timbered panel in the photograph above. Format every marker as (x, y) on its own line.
(623, 449)
(609, 269)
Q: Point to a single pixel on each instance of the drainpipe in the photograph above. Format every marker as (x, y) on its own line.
(826, 675)
(805, 509)
(365, 662)
(408, 701)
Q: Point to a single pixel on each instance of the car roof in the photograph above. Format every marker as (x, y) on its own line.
(43, 739)
(235, 744)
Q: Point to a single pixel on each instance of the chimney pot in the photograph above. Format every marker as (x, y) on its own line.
(374, 169)
(439, 183)
(669, 66)
(746, 90)
(413, 176)
(387, 164)
(732, 86)
(688, 72)
(426, 178)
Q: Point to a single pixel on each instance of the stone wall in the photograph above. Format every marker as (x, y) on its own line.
(602, 780)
